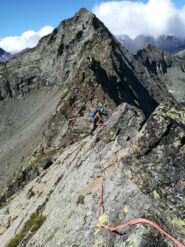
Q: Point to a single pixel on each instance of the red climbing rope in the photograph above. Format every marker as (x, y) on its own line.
(132, 222)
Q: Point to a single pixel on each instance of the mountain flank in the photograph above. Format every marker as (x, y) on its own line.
(50, 164)
(83, 60)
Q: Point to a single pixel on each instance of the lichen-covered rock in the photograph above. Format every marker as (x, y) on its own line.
(141, 179)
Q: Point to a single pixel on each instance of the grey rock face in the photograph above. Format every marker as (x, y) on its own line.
(141, 179)
(162, 70)
(166, 69)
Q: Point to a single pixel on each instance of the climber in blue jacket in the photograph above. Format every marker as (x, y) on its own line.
(96, 116)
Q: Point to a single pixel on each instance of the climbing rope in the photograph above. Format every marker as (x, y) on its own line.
(130, 223)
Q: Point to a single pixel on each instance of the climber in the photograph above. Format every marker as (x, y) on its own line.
(96, 114)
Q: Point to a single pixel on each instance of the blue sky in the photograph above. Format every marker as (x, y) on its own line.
(21, 15)
(23, 23)
(18, 16)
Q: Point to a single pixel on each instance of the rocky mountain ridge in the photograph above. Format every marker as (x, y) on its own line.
(169, 43)
(139, 182)
(181, 54)
(4, 56)
(53, 164)
(83, 60)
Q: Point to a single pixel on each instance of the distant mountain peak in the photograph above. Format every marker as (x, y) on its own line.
(4, 56)
(169, 43)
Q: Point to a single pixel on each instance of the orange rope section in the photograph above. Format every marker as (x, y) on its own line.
(132, 222)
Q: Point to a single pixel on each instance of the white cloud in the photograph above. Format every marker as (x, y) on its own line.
(156, 17)
(27, 39)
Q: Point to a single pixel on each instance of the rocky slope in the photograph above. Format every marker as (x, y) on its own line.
(52, 163)
(22, 122)
(143, 177)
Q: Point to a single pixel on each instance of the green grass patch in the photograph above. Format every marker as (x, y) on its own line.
(30, 228)
(40, 157)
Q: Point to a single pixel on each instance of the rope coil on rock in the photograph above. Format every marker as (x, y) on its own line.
(131, 222)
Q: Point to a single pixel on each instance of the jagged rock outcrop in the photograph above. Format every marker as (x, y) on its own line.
(143, 177)
(181, 54)
(165, 69)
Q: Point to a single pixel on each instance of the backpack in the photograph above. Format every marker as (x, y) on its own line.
(93, 113)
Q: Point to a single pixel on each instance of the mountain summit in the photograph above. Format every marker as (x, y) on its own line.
(81, 48)
(50, 165)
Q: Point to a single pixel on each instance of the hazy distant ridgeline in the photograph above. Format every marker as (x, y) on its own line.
(169, 43)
